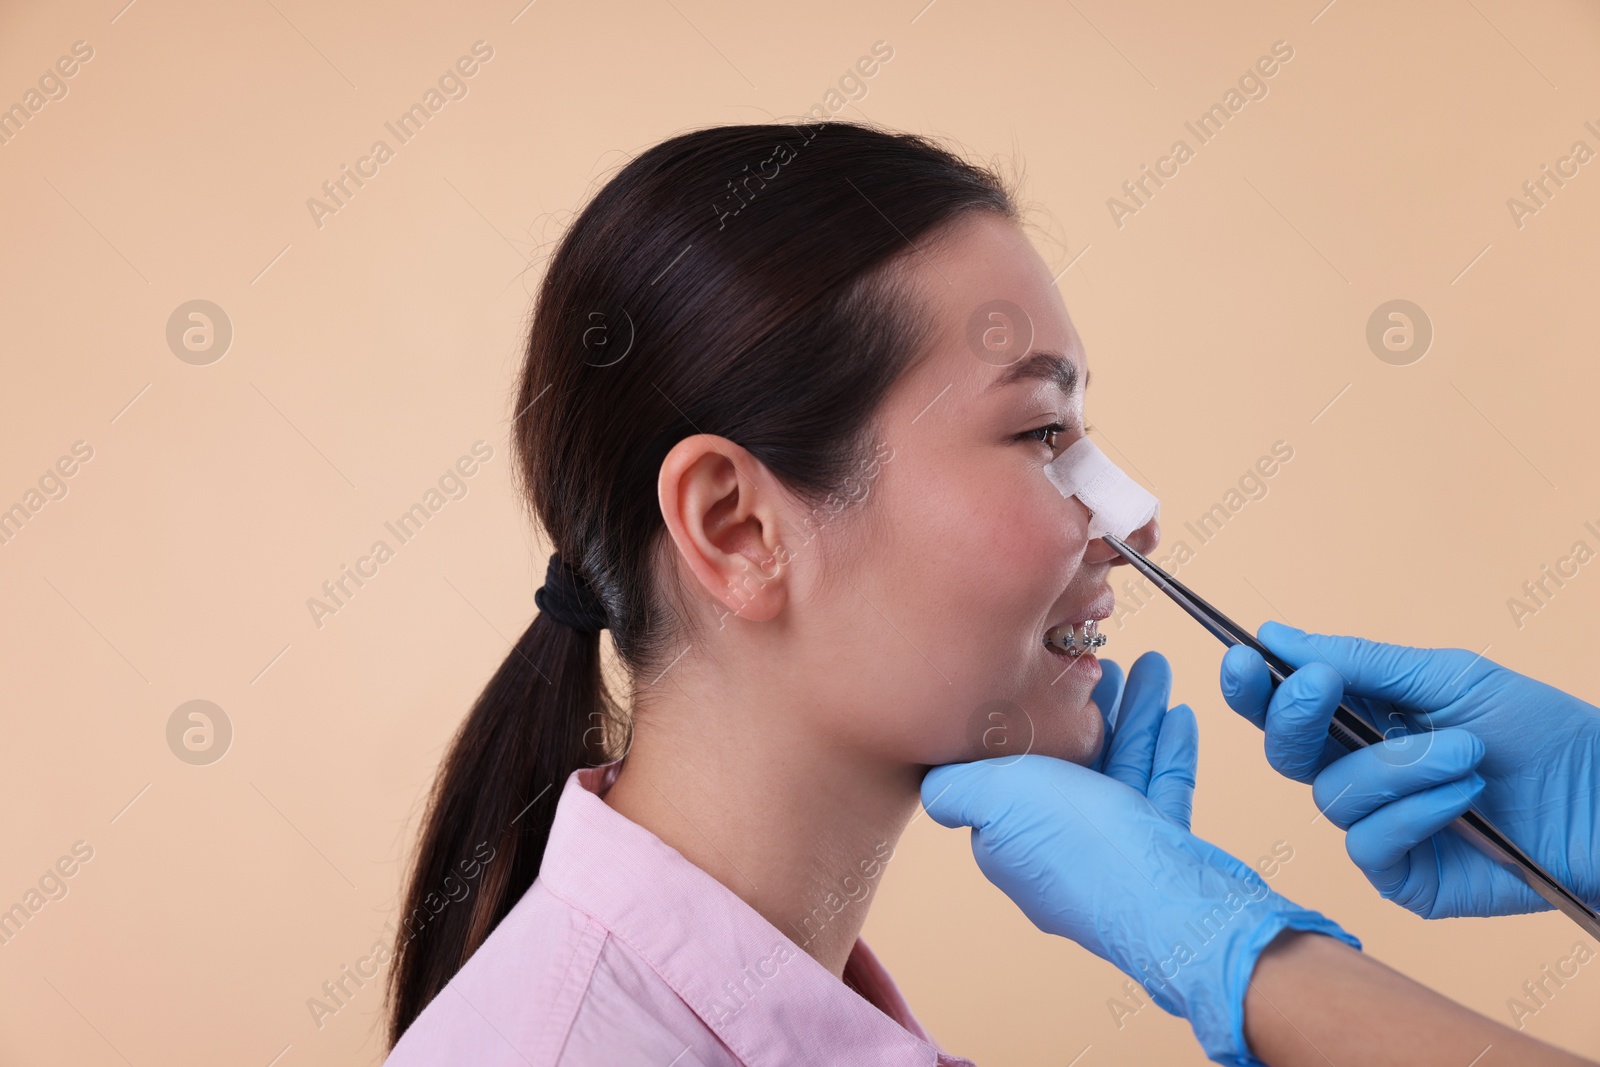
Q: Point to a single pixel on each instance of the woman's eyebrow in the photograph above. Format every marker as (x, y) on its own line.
(1043, 366)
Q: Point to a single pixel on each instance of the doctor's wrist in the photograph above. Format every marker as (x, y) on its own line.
(1279, 974)
(1284, 944)
(1315, 1000)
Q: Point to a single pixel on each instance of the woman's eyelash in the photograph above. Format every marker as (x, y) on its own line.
(1039, 433)
(1054, 426)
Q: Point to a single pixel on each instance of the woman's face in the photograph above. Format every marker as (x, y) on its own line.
(926, 639)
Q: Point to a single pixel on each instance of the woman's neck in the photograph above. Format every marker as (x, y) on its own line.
(798, 830)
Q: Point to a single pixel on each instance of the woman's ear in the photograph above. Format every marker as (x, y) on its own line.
(722, 507)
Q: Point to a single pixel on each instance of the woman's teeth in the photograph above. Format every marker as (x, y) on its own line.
(1075, 642)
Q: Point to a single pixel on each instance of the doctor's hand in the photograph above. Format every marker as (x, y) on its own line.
(1525, 754)
(1107, 860)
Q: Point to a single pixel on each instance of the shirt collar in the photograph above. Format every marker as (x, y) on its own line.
(763, 995)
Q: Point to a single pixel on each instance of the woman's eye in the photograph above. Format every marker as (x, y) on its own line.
(1045, 434)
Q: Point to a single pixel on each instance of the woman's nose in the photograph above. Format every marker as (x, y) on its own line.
(1143, 541)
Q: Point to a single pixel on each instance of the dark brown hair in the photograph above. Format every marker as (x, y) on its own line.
(734, 281)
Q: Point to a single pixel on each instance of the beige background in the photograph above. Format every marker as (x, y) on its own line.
(370, 353)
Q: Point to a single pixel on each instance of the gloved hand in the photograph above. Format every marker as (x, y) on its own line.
(1524, 753)
(1107, 859)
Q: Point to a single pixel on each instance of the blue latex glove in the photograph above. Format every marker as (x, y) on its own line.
(1524, 753)
(1107, 859)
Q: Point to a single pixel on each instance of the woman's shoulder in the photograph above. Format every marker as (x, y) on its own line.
(533, 962)
(551, 986)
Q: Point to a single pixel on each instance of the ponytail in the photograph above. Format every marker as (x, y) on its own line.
(493, 803)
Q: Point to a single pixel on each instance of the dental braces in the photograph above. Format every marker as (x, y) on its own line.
(1074, 643)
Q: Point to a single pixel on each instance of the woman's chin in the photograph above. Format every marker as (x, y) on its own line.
(1074, 742)
(1076, 737)
(1001, 728)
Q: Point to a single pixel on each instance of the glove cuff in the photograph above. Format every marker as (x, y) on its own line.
(1219, 1023)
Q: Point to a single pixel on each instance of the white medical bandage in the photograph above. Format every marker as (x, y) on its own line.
(1117, 504)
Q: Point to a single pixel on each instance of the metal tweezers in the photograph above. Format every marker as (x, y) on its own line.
(1353, 732)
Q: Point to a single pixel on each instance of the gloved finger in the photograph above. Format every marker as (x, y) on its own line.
(1172, 773)
(965, 794)
(952, 793)
(1107, 696)
(1246, 685)
(1297, 720)
(1381, 843)
(1352, 788)
(1132, 748)
(1426, 679)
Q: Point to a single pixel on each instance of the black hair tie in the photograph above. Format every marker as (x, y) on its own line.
(568, 599)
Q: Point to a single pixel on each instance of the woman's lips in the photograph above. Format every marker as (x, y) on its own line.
(1099, 608)
(1084, 667)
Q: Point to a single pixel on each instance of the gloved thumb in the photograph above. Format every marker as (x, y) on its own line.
(961, 794)
(1425, 679)
(1246, 685)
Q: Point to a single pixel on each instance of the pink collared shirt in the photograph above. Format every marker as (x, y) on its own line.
(623, 952)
